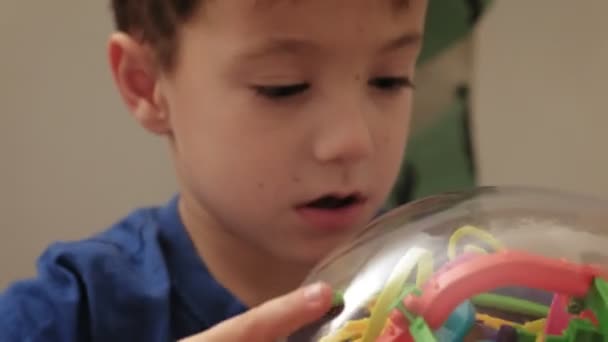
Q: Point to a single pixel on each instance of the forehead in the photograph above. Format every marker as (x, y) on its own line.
(306, 15)
(328, 29)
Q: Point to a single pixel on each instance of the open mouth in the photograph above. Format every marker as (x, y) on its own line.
(333, 211)
(333, 202)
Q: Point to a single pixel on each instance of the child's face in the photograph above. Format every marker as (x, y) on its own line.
(275, 104)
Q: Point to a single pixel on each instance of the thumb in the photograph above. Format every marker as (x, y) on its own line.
(277, 318)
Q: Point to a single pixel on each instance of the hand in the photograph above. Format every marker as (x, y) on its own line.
(274, 319)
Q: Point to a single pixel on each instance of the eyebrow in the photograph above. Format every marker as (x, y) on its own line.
(396, 4)
(279, 46)
(294, 46)
(401, 4)
(403, 41)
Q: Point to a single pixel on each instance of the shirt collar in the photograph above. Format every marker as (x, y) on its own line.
(205, 297)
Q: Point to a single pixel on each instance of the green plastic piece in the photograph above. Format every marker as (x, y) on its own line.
(408, 290)
(525, 336)
(510, 304)
(398, 304)
(338, 299)
(582, 330)
(408, 315)
(420, 331)
(597, 301)
(579, 330)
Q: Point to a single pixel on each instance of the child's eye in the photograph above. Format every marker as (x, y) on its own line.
(391, 83)
(277, 92)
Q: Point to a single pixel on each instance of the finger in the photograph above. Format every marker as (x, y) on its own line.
(282, 316)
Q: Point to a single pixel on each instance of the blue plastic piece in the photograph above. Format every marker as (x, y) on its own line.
(458, 325)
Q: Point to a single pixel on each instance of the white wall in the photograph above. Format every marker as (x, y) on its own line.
(541, 94)
(71, 159)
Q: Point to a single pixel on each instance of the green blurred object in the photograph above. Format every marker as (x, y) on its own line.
(440, 153)
(439, 158)
(449, 21)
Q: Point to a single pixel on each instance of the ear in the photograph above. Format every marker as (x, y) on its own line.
(137, 78)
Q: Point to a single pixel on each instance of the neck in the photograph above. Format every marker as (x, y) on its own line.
(251, 274)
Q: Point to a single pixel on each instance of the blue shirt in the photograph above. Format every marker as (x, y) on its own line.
(140, 280)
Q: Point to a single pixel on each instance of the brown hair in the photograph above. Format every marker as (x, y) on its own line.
(156, 22)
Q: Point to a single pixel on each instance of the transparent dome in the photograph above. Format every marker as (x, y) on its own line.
(492, 264)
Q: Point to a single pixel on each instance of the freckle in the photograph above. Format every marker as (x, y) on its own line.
(358, 77)
(296, 180)
(260, 185)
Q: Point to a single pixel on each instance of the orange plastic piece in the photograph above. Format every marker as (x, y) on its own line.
(398, 331)
(589, 315)
(444, 292)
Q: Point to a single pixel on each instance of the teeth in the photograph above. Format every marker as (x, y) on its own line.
(332, 202)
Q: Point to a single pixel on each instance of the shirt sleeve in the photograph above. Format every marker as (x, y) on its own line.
(47, 307)
(114, 286)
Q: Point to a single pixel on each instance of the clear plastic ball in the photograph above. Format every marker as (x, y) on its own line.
(491, 264)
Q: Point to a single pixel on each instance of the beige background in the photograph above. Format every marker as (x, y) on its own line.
(72, 161)
(541, 94)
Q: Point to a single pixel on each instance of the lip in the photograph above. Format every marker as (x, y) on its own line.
(334, 219)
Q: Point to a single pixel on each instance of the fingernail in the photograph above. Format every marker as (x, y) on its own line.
(314, 293)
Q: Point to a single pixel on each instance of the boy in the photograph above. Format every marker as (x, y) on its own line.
(286, 122)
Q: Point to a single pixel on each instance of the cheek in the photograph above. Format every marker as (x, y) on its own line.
(392, 142)
(393, 151)
(231, 156)
(396, 122)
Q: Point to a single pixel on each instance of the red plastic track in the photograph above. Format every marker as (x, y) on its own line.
(445, 291)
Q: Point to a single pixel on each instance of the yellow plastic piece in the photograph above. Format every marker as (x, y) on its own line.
(474, 249)
(351, 331)
(415, 257)
(425, 269)
(536, 327)
(493, 322)
(540, 337)
(475, 232)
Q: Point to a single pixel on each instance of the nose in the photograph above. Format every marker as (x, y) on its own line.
(346, 136)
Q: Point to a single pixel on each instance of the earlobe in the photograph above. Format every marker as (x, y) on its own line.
(136, 77)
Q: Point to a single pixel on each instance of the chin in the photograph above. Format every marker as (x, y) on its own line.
(311, 252)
